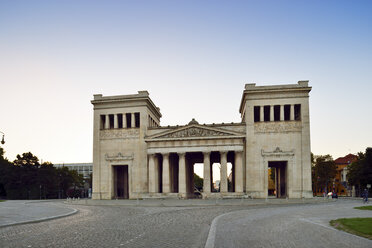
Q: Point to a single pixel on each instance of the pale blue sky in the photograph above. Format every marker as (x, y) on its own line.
(194, 58)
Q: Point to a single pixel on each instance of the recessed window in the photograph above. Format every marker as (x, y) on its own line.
(129, 120)
(256, 113)
(297, 112)
(287, 112)
(111, 119)
(277, 113)
(120, 120)
(103, 120)
(267, 113)
(137, 119)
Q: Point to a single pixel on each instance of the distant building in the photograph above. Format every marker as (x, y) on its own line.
(340, 182)
(85, 169)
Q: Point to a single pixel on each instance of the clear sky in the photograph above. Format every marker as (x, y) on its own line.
(194, 58)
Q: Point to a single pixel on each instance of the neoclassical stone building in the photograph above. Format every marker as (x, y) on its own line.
(135, 157)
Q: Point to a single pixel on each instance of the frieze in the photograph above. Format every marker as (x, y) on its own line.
(277, 153)
(119, 134)
(277, 127)
(194, 132)
(118, 157)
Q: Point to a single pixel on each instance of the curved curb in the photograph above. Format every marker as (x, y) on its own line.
(212, 231)
(74, 211)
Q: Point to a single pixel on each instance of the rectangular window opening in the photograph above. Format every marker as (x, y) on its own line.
(256, 113)
(276, 112)
(129, 120)
(297, 112)
(111, 121)
(287, 112)
(120, 120)
(267, 113)
(103, 120)
(137, 119)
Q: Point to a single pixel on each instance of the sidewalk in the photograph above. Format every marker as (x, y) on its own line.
(14, 212)
(196, 202)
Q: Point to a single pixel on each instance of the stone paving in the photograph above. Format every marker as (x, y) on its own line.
(186, 226)
(290, 226)
(22, 211)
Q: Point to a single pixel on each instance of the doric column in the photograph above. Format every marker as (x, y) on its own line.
(261, 113)
(271, 112)
(152, 178)
(124, 120)
(116, 123)
(133, 124)
(292, 112)
(107, 122)
(281, 112)
(182, 173)
(166, 179)
(239, 172)
(207, 173)
(223, 177)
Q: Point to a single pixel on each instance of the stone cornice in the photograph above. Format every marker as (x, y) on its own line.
(301, 89)
(100, 101)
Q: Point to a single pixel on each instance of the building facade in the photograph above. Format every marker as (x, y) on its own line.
(84, 169)
(135, 157)
(340, 185)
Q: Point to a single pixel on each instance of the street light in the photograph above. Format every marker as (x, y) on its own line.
(2, 140)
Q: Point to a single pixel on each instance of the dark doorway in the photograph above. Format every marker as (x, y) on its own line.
(278, 176)
(121, 182)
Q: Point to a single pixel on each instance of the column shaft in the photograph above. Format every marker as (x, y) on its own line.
(152, 173)
(281, 112)
(116, 123)
(207, 173)
(133, 124)
(107, 122)
(292, 112)
(271, 112)
(124, 120)
(239, 172)
(182, 174)
(166, 179)
(223, 179)
(261, 113)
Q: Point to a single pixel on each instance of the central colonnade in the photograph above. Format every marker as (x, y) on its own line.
(172, 172)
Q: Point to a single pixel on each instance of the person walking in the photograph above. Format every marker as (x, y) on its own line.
(365, 195)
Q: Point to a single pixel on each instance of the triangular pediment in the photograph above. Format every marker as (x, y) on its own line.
(194, 131)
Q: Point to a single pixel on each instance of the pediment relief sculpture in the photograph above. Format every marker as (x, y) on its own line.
(194, 131)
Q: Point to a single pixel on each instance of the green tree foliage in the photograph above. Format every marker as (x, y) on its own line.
(360, 171)
(26, 178)
(323, 170)
(198, 182)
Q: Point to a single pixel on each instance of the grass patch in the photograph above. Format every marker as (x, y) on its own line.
(2, 200)
(364, 208)
(358, 226)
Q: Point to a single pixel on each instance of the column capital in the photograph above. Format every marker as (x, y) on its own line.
(181, 154)
(206, 153)
(166, 154)
(223, 153)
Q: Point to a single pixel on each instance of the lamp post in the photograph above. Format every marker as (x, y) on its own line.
(2, 140)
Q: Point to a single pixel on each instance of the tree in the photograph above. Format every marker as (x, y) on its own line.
(360, 172)
(4, 173)
(198, 182)
(26, 178)
(324, 171)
